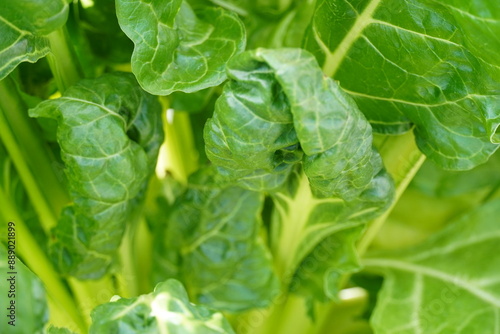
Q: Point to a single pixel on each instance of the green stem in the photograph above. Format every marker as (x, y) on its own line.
(34, 150)
(126, 278)
(179, 155)
(143, 254)
(35, 259)
(291, 226)
(63, 60)
(402, 160)
(46, 215)
(92, 293)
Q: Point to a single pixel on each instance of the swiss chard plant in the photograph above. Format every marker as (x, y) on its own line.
(250, 167)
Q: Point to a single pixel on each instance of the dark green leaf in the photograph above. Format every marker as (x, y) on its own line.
(24, 25)
(109, 131)
(177, 49)
(211, 242)
(432, 64)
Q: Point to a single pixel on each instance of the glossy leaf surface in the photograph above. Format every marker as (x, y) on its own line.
(24, 25)
(109, 131)
(431, 64)
(177, 49)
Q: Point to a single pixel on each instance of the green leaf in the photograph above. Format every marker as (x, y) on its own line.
(431, 64)
(24, 25)
(177, 49)
(29, 313)
(166, 310)
(279, 110)
(109, 131)
(211, 243)
(450, 283)
(314, 239)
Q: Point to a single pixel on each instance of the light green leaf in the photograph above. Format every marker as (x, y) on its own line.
(24, 25)
(432, 64)
(448, 284)
(177, 49)
(30, 312)
(211, 243)
(109, 131)
(166, 310)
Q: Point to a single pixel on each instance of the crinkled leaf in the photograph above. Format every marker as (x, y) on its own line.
(166, 310)
(211, 242)
(276, 112)
(279, 110)
(24, 25)
(434, 64)
(450, 283)
(177, 49)
(109, 131)
(30, 308)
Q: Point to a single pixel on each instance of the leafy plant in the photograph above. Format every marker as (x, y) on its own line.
(270, 166)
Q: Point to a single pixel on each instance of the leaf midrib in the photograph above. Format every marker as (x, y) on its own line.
(333, 60)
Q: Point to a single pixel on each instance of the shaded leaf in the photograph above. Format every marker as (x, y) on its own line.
(211, 242)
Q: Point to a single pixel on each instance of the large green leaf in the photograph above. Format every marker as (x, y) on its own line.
(20, 286)
(449, 284)
(177, 49)
(24, 25)
(211, 242)
(166, 310)
(432, 64)
(109, 131)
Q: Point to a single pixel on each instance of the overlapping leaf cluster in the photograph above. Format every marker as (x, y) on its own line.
(311, 111)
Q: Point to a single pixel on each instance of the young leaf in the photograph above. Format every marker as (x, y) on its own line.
(211, 242)
(450, 283)
(24, 25)
(433, 64)
(166, 310)
(279, 110)
(109, 131)
(177, 49)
